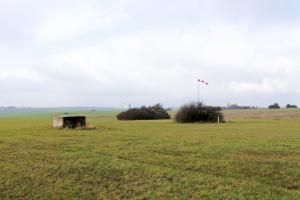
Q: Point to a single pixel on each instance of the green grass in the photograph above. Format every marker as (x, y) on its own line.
(242, 159)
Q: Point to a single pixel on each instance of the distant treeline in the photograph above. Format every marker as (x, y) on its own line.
(238, 107)
(273, 106)
(277, 106)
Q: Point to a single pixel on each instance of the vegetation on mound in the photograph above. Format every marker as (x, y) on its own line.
(274, 106)
(291, 106)
(145, 113)
(197, 112)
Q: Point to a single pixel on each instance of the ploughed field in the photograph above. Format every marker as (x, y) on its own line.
(255, 155)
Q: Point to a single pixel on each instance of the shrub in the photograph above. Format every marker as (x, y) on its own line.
(291, 106)
(145, 113)
(274, 106)
(197, 112)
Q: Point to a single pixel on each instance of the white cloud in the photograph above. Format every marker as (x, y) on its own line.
(163, 65)
(266, 86)
(107, 53)
(68, 24)
(20, 73)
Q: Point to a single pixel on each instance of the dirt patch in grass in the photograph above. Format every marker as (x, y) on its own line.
(175, 153)
(262, 114)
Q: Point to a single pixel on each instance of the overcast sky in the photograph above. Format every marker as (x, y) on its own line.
(110, 52)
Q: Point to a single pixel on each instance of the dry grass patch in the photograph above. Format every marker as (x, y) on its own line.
(262, 114)
(265, 156)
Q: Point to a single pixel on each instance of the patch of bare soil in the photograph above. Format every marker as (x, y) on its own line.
(250, 114)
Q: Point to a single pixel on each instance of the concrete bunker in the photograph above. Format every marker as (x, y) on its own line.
(69, 121)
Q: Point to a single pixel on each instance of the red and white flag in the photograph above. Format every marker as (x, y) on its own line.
(202, 81)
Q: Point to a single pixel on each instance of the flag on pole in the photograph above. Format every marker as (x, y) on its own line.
(202, 81)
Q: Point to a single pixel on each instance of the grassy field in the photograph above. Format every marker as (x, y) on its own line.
(255, 155)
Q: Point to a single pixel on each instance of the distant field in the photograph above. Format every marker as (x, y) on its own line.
(255, 155)
(263, 114)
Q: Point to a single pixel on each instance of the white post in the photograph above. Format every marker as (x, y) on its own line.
(218, 119)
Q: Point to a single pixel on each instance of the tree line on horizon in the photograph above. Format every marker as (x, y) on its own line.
(277, 106)
(272, 106)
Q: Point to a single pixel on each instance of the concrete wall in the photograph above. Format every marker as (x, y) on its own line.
(69, 121)
(58, 122)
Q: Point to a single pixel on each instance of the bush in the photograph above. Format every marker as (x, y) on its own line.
(197, 112)
(145, 113)
(291, 106)
(274, 106)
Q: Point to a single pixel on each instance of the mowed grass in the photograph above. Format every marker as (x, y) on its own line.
(241, 159)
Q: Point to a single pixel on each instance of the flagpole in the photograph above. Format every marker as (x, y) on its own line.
(200, 82)
(198, 91)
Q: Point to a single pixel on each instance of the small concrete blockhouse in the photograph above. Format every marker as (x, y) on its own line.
(69, 121)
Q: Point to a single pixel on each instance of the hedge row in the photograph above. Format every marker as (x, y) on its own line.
(145, 113)
(189, 113)
(197, 112)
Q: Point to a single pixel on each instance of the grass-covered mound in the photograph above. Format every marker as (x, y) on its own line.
(145, 113)
(197, 112)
